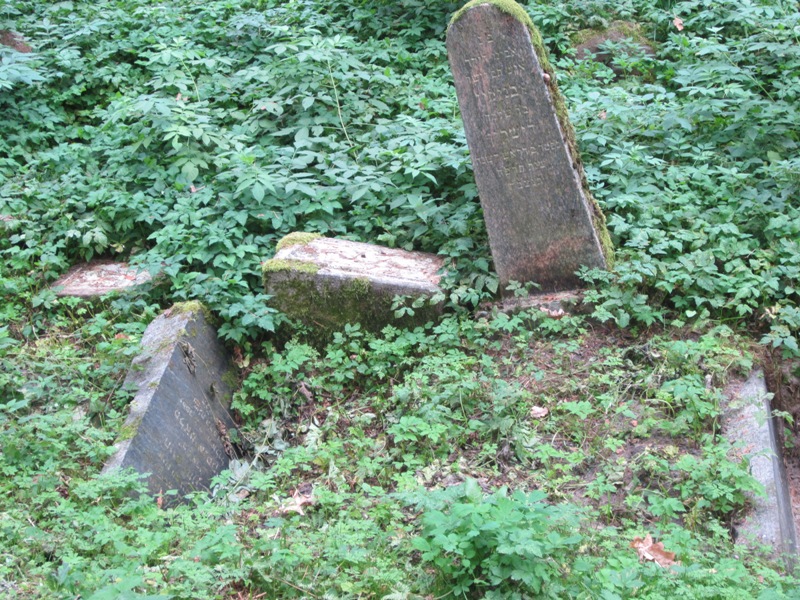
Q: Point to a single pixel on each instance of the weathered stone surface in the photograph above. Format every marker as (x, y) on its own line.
(593, 42)
(184, 381)
(747, 420)
(542, 224)
(99, 277)
(14, 40)
(326, 283)
(557, 304)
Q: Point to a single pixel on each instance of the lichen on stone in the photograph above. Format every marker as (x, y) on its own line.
(192, 306)
(296, 238)
(129, 430)
(276, 265)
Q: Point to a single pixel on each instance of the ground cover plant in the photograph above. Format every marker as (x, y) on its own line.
(486, 455)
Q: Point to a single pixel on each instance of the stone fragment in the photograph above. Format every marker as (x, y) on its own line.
(326, 283)
(99, 277)
(748, 421)
(594, 42)
(543, 224)
(178, 421)
(15, 41)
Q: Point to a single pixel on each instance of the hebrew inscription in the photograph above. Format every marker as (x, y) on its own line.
(537, 215)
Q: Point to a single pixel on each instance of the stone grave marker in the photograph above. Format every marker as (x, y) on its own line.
(176, 430)
(543, 224)
(99, 277)
(328, 282)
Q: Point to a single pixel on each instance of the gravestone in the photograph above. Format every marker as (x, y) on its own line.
(178, 421)
(99, 277)
(327, 282)
(543, 224)
(751, 428)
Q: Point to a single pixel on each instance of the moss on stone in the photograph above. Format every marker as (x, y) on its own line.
(619, 29)
(129, 430)
(231, 379)
(568, 132)
(192, 306)
(297, 238)
(276, 265)
(325, 305)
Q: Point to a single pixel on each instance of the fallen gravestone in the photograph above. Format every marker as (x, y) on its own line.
(747, 420)
(178, 422)
(99, 277)
(327, 283)
(543, 224)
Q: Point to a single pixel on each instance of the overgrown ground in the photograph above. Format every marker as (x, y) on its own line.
(484, 455)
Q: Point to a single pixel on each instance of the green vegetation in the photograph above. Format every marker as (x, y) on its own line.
(482, 455)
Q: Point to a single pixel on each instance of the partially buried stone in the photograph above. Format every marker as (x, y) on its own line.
(543, 225)
(327, 283)
(179, 416)
(99, 277)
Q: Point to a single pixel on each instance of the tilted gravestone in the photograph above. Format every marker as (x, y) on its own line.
(178, 421)
(543, 224)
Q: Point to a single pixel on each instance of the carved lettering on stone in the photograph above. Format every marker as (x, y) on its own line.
(538, 218)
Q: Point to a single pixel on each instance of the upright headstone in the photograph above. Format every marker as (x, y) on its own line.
(542, 223)
(178, 422)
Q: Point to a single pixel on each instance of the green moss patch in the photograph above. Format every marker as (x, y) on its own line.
(297, 238)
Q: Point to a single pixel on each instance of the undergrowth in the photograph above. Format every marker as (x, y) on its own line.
(485, 455)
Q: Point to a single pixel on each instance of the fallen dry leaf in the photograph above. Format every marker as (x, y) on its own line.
(553, 313)
(296, 504)
(653, 551)
(603, 114)
(539, 412)
(678, 22)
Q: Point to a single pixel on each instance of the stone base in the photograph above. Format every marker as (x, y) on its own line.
(99, 277)
(556, 304)
(178, 422)
(326, 283)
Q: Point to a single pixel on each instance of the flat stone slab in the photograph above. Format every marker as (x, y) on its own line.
(178, 421)
(747, 419)
(99, 277)
(542, 224)
(326, 282)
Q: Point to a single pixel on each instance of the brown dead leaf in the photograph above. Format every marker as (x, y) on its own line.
(302, 387)
(539, 412)
(556, 313)
(296, 504)
(238, 357)
(602, 115)
(653, 551)
(678, 22)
